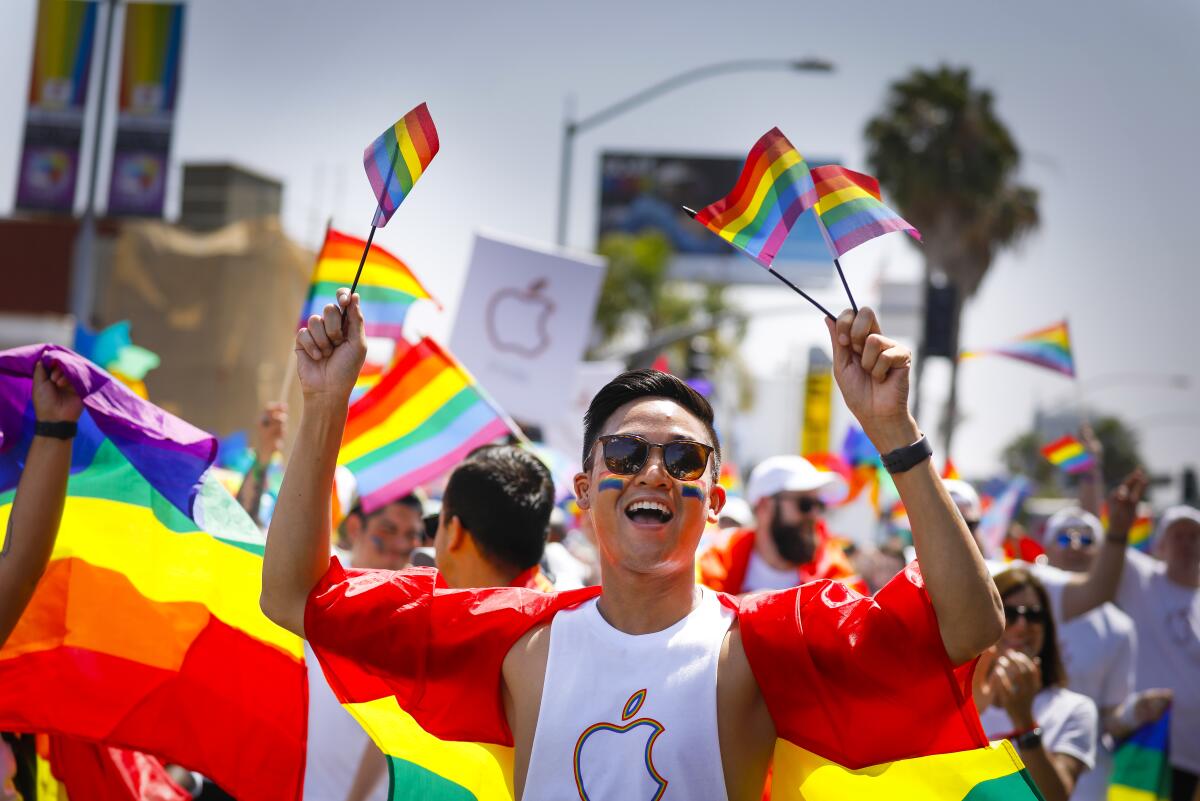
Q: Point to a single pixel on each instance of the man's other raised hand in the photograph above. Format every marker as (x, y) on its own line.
(331, 349)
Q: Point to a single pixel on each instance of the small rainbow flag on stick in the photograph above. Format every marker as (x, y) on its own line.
(1069, 455)
(397, 158)
(1047, 347)
(423, 417)
(774, 189)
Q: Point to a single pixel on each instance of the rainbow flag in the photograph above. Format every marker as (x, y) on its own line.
(387, 289)
(150, 58)
(1141, 533)
(1141, 764)
(895, 720)
(1048, 347)
(423, 417)
(62, 55)
(397, 158)
(145, 631)
(850, 209)
(774, 189)
(1069, 455)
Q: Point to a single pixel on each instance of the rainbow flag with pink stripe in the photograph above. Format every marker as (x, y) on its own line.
(774, 189)
(425, 414)
(850, 209)
(397, 158)
(1048, 347)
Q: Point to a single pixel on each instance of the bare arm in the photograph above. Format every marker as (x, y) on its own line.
(872, 373)
(371, 770)
(298, 544)
(1099, 585)
(37, 508)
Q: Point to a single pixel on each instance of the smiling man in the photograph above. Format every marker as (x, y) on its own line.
(649, 686)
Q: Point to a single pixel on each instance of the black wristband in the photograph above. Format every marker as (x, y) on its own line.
(58, 429)
(901, 459)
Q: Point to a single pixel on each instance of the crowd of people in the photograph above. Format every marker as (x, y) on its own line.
(666, 585)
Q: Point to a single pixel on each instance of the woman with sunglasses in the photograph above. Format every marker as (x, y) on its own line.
(1020, 690)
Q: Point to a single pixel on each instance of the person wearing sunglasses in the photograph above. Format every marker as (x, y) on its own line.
(1020, 688)
(549, 680)
(788, 543)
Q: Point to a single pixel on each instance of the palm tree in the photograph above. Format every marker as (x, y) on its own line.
(949, 164)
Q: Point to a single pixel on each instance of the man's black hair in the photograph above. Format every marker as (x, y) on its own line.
(502, 495)
(410, 500)
(646, 383)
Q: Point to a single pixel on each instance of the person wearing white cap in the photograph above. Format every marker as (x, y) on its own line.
(788, 543)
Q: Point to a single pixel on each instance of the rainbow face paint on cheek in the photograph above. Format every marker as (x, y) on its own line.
(691, 490)
(612, 484)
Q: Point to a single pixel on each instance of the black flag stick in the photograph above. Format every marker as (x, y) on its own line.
(793, 287)
(842, 276)
(363, 260)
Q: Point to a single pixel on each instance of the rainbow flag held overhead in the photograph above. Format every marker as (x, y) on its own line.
(850, 209)
(1048, 347)
(145, 631)
(423, 417)
(1069, 455)
(1141, 764)
(774, 189)
(387, 289)
(397, 158)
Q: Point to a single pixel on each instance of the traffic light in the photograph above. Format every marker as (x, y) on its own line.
(939, 321)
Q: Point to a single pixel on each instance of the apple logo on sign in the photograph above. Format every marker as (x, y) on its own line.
(609, 758)
(516, 319)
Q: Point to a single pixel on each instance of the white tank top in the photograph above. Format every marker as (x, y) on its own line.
(630, 718)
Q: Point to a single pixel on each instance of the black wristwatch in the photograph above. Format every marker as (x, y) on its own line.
(58, 429)
(901, 459)
(1030, 739)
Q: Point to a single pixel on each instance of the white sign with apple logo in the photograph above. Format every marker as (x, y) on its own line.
(523, 321)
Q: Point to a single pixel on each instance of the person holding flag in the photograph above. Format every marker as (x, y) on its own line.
(712, 686)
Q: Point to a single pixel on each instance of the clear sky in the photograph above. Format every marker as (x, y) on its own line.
(1101, 96)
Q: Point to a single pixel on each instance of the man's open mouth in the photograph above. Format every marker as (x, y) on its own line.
(648, 512)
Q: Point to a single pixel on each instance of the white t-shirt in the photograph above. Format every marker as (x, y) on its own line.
(569, 573)
(335, 742)
(1068, 720)
(761, 576)
(1167, 617)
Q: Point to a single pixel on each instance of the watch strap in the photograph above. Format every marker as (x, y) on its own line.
(907, 457)
(58, 429)
(1030, 739)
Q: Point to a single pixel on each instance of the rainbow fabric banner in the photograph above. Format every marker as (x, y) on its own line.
(1141, 764)
(1069, 455)
(145, 631)
(850, 209)
(774, 189)
(150, 58)
(1048, 347)
(423, 417)
(397, 158)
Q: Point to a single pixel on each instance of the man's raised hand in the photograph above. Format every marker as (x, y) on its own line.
(330, 355)
(872, 374)
(54, 398)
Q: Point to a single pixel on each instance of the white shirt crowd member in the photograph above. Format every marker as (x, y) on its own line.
(1068, 720)
(620, 699)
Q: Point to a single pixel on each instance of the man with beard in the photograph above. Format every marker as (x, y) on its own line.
(789, 544)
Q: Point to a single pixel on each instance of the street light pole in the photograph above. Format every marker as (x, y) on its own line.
(573, 127)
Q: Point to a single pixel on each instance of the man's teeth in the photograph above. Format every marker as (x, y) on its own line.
(650, 506)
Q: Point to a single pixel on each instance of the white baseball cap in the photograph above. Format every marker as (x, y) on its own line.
(737, 510)
(778, 474)
(1071, 517)
(965, 498)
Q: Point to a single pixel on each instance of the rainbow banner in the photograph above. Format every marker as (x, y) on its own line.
(397, 158)
(774, 189)
(1069, 455)
(423, 417)
(145, 631)
(147, 94)
(58, 88)
(1141, 764)
(1048, 347)
(850, 209)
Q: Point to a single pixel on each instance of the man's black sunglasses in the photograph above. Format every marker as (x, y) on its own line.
(626, 455)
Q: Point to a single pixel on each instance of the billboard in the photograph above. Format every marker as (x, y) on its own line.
(58, 87)
(645, 191)
(150, 62)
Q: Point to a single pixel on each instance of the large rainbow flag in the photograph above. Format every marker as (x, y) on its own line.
(145, 631)
(419, 667)
(423, 417)
(1141, 764)
(850, 209)
(774, 189)
(1048, 347)
(397, 158)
